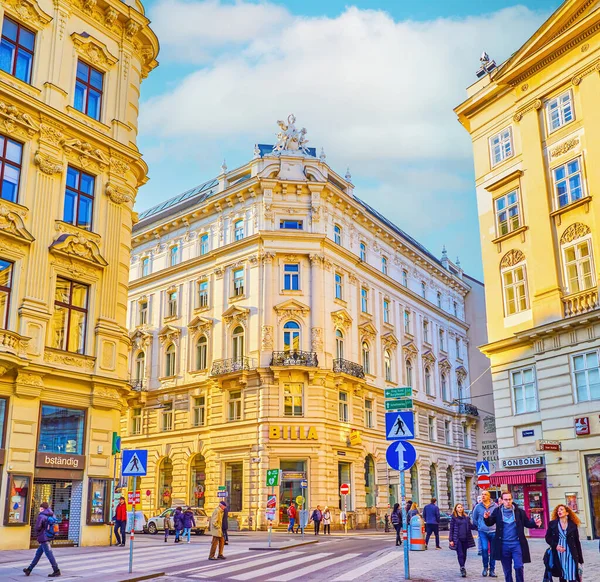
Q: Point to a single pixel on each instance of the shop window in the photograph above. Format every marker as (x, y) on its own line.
(368, 413)
(17, 49)
(414, 484)
(61, 430)
(291, 337)
(202, 353)
(98, 502)
(234, 481)
(198, 477)
(88, 90)
(79, 198)
(345, 477)
(68, 323)
(433, 482)
(18, 498)
(369, 481)
(199, 411)
(165, 482)
(293, 399)
(343, 406)
(235, 406)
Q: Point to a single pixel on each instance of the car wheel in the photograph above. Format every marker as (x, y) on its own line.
(152, 528)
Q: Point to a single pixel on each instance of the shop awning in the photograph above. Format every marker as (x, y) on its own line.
(515, 477)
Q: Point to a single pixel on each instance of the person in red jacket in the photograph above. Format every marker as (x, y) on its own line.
(292, 515)
(120, 520)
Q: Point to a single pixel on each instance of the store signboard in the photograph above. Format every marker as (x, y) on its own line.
(58, 461)
(522, 462)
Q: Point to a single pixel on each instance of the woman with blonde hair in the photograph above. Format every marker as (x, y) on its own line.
(563, 538)
(460, 536)
(414, 510)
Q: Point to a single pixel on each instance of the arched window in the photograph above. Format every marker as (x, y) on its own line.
(428, 388)
(370, 481)
(366, 358)
(140, 366)
(409, 373)
(170, 360)
(444, 382)
(387, 365)
(198, 476)
(433, 481)
(202, 353)
(291, 337)
(363, 252)
(339, 344)
(165, 482)
(414, 484)
(450, 485)
(238, 343)
(238, 230)
(337, 234)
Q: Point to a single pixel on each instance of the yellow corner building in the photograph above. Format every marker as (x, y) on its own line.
(70, 74)
(535, 128)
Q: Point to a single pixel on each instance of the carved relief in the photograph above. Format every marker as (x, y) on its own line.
(316, 339)
(574, 231)
(51, 134)
(77, 245)
(389, 341)
(16, 122)
(367, 331)
(201, 326)
(131, 29)
(341, 319)
(93, 50)
(267, 257)
(291, 309)
(117, 194)
(47, 164)
(30, 379)
(140, 339)
(73, 360)
(169, 334)
(511, 258)
(564, 147)
(11, 223)
(76, 269)
(28, 11)
(118, 166)
(110, 16)
(85, 153)
(236, 315)
(266, 338)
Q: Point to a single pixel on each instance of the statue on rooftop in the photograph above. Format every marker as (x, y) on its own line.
(289, 139)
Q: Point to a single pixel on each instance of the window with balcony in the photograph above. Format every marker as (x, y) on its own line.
(409, 373)
(384, 265)
(167, 416)
(386, 311)
(448, 432)
(88, 90)
(514, 285)
(426, 331)
(428, 383)
(11, 156)
(234, 407)
(339, 344)
(145, 266)
(199, 411)
(586, 371)
(79, 198)
(238, 342)
(387, 365)
(291, 224)
(405, 277)
(173, 255)
(364, 300)
(578, 265)
(363, 252)
(524, 390)
(17, 49)
(69, 320)
(172, 304)
(6, 276)
(337, 234)
(170, 361)
(343, 406)
(445, 392)
(238, 282)
(202, 290)
(366, 358)
(291, 337)
(136, 421)
(202, 353)
(368, 413)
(291, 277)
(339, 286)
(568, 183)
(143, 312)
(501, 146)
(293, 399)
(238, 230)
(204, 244)
(406, 321)
(559, 111)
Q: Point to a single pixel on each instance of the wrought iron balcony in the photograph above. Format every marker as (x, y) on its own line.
(347, 367)
(231, 365)
(466, 408)
(581, 302)
(138, 385)
(294, 359)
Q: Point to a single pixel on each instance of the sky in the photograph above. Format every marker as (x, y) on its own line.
(374, 83)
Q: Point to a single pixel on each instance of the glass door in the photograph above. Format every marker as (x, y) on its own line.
(293, 473)
(536, 506)
(592, 465)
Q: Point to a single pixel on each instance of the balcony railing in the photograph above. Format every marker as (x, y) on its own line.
(466, 408)
(231, 365)
(295, 359)
(138, 385)
(347, 367)
(581, 302)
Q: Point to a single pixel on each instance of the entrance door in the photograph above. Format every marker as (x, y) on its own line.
(536, 505)
(293, 473)
(58, 495)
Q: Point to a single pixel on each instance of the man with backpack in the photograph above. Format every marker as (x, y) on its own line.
(46, 527)
(292, 516)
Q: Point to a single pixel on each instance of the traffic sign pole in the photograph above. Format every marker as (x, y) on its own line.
(404, 525)
(131, 533)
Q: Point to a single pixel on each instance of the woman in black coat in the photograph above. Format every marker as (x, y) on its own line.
(460, 536)
(563, 538)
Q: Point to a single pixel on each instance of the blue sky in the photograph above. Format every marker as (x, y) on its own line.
(374, 83)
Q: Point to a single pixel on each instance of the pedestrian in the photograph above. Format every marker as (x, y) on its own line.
(168, 524)
(178, 523)
(188, 523)
(414, 510)
(478, 537)
(460, 536)
(486, 533)
(326, 521)
(291, 512)
(431, 515)
(563, 538)
(408, 506)
(44, 532)
(510, 544)
(225, 526)
(316, 518)
(215, 528)
(396, 519)
(120, 521)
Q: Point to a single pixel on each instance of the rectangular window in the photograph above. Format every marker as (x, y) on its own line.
(343, 406)
(448, 432)
(291, 224)
(291, 277)
(386, 311)
(68, 323)
(457, 343)
(423, 289)
(363, 252)
(88, 90)
(143, 312)
(578, 266)
(405, 277)
(145, 266)
(507, 213)
(559, 111)
(136, 421)
(79, 198)
(172, 304)
(524, 390)
(439, 299)
(368, 413)
(466, 437)
(167, 416)
(364, 300)
(204, 244)
(426, 332)
(431, 428)
(6, 277)
(339, 286)
(98, 502)
(202, 294)
(501, 146)
(293, 399)
(235, 405)
(238, 282)
(568, 183)
(238, 230)
(18, 500)
(515, 290)
(234, 481)
(199, 411)
(442, 340)
(11, 156)
(384, 266)
(455, 308)
(406, 321)
(587, 376)
(16, 50)
(61, 430)
(174, 256)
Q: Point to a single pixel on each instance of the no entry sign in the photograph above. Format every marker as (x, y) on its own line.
(483, 481)
(344, 489)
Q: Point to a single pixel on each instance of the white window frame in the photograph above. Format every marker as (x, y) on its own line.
(201, 354)
(238, 343)
(515, 286)
(444, 387)
(561, 109)
(238, 230)
(140, 366)
(343, 408)
(364, 300)
(366, 357)
(387, 365)
(586, 372)
(466, 436)
(384, 265)
(498, 146)
(202, 290)
(199, 411)
(143, 311)
(136, 420)
(204, 244)
(510, 227)
(170, 361)
(428, 379)
(567, 181)
(439, 299)
(386, 311)
(339, 344)
(408, 367)
(426, 331)
(406, 321)
(291, 276)
(338, 282)
(287, 393)
(404, 277)
(442, 340)
(424, 289)
(173, 255)
(337, 234)
(234, 406)
(458, 350)
(363, 252)
(369, 408)
(238, 282)
(172, 303)
(523, 385)
(167, 417)
(578, 263)
(145, 266)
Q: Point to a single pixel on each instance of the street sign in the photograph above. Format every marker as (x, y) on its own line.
(135, 463)
(344, 489)
(300, 500)
(222, 487)
(221, 493)
(403, 392)
(270, 514)
(304, 484)
(484, 481)
(131, 497)
(271, 501)
(483, 468)
(399, 426)
(405, 404)
(401, 455)
(272, 477)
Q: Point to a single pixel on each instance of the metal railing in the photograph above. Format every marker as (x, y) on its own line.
(230, 365)
(295, 359)
(138, 385)
(466, 408)
(347, 367)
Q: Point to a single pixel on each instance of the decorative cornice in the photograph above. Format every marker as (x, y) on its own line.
(28, 12)
(47, 164)
(94, 51)
(574, 231)
(592, 68)
(80, 247)
(85, 153)
(11, 224)
(535, 104)
(17, 122)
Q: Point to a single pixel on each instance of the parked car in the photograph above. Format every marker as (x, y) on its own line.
(444, 521)
(157, 523)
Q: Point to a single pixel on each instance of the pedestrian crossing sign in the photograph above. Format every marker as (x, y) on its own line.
(135, 463)
(400, 425)
(483, 468)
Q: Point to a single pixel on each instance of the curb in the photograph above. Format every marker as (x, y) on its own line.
(144, 577)
(288, 547)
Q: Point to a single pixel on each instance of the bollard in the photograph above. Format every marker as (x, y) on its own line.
(417, 533)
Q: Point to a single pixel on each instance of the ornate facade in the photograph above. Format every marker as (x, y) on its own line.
(268, 310)
(70, 74)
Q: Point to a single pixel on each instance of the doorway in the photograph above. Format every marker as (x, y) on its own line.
(293, 473)
(58, 494)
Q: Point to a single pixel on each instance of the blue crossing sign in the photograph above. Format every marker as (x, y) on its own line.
(135, 463)
(400, 425)
(483, 468)
(401, 455)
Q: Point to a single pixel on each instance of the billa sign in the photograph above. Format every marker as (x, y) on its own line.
(293, 433)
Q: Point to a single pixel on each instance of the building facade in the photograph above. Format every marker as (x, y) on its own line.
(70, 74)
(268, 310)
(535, 130)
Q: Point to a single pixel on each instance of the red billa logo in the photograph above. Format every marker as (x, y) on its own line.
(582, 426)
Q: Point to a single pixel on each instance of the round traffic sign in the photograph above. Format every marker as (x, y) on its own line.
(344, 489)
(300, 500)
(483, 481)
(304, 484)
(148, 492)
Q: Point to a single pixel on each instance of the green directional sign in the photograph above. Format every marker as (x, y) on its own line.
(222, 487)
(406, 404)
(272, 477)
(402, 392)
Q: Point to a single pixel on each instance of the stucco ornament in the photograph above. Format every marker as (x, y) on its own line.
(290, 139)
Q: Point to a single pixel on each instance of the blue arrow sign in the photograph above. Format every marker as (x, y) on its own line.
(483, 467)
(401, 455)
(400, 425)
(135, 463)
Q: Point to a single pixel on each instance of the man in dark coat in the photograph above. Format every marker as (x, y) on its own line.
(510, 544)
(41, 523)
(431, 515)
(225, 525)
(178, 523)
